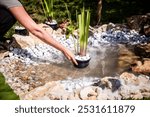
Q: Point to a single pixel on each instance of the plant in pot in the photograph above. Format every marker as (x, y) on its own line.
(81, 47)
(47, 6)
(21, 31)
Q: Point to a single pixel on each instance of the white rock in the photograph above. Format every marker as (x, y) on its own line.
(86, 92)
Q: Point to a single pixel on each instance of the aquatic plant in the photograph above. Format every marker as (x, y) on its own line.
(84, 22)
(82, 57)
(47, 6)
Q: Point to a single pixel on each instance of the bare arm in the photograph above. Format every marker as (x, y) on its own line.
(22, 16)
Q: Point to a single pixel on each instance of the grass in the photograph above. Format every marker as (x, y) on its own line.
(6, 92)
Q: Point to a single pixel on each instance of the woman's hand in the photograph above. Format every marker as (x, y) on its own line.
(69, 55)
(22, 16)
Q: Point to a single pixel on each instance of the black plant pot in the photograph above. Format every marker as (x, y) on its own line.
(21, 31)
(82, 63)
(53, 24)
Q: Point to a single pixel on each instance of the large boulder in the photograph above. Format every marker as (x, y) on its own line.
(140, 23)
(142, 67)
(142, 50)
(3, 54)
(22, 41)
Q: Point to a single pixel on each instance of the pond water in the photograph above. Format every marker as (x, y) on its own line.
(104, 62)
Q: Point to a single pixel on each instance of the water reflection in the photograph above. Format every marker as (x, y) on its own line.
(104, 62)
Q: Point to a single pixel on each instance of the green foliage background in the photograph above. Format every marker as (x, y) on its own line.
(115, 11)
(112, 11)
(6, 93)
(118, 10)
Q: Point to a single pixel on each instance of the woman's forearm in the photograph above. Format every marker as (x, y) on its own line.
(44, 36)
(21, 15)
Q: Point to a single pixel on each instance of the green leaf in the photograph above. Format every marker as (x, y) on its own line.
(9, 95)
(87, 28)
(47, 6)
(6, 93)
(84, 22)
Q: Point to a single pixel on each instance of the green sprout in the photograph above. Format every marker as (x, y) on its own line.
(84, 22)
(47, 6)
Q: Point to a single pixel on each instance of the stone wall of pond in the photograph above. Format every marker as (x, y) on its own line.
(125, 86)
